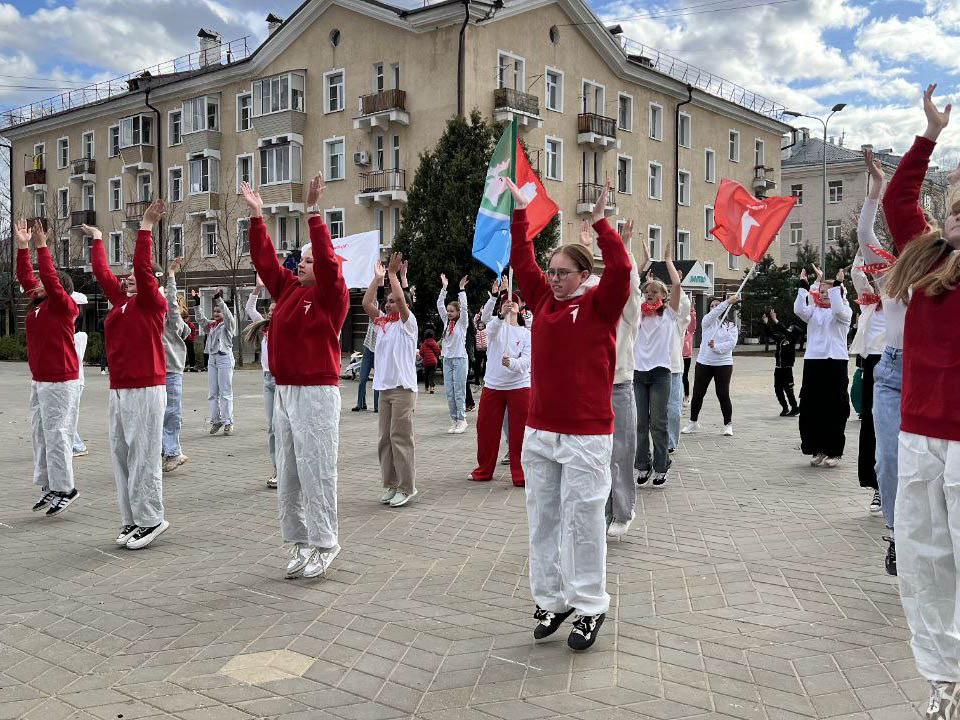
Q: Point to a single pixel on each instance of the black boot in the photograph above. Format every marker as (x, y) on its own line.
(890, 562)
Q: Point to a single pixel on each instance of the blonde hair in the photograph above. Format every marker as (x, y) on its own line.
(922, 266)
(182, 306)
(579, 256)
(658, 284)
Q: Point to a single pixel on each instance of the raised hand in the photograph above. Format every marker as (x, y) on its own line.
(463, 282)
(600, 208)
(253, 199)
(443, 280)
(315, 191)
(152, 214)
(734, 299)
(259, 285)
(803, 274)
(873, 166)
(937, 119)
(38, 235)
(89, 230)
(22, 234)
(519, 201)
(379, 272)
(403, 271)
(668, 252)
(818, 271)
(495, 289)
(586, 239)
(396, 263)
(175, 266)
(627, 233)
(840, 276)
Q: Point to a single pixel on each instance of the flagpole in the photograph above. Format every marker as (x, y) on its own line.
(513, 177)
(727, 310)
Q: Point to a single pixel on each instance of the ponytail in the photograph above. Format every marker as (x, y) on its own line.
(927, 264)
(254, 331)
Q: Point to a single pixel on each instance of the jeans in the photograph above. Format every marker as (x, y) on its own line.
(887, 382)
(455, 385)
(220, 381)
(173, 415)
(269, 396)
(674, 410)
(623, 490)
(366, 367)
(652, 390)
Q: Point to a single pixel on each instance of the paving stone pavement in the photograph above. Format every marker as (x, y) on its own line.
(750, 586)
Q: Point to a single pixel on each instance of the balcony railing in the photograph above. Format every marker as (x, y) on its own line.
(589, 194)
(510, 99)
(597, 124)
(35, 177)
(383, 101)
(135, 210)
(83, 166)
(383, 181)
(83, 217)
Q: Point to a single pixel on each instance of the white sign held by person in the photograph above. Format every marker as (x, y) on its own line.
(358, 256)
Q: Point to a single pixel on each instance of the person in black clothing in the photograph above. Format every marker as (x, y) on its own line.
(786, 354)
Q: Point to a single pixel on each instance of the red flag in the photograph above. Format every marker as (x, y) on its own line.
(541, 208)
(747, 225)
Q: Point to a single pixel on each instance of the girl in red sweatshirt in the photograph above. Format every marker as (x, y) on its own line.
(138, 380)
(55, 389)
(569, 435)
(927, 519)
(304, 358)
(429, 356)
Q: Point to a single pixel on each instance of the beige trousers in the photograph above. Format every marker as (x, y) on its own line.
(396, 447)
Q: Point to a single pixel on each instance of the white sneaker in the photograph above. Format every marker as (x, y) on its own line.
(818, 459)
(505, 460)
(299, 556)
(617, 529)
(387, 495)
(690, 427)
(728, 430)
(320, 561)
(831, 462)
(401, 498)
(228, 429)
(453, 428)
(144, 536)
(460, 427)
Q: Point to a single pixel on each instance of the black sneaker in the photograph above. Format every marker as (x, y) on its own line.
(47, 498)
(875, 504)
(890, 562)
(548, 622)
(61, 502)
(146, 535)
(126, 532)
(585, 630)
(784, 412)
(643, 476)
(358, 409)
(659, 478)
(794, 412)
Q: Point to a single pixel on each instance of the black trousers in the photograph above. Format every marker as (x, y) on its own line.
(720, 375)
(783, 387)
(191, 356)
(686, 379)
(429, 377)
(824, 407)
(866, 459)
(479, 366)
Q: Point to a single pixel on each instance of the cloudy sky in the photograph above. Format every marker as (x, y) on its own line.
(874, 55)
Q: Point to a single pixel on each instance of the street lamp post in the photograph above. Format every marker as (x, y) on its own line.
(823, 206)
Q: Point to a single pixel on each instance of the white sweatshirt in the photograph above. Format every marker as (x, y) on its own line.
(871, 337)
(251, 309)
(724, 338)
(894, 311)
(454, 345)
(826, 327)
(510, 340)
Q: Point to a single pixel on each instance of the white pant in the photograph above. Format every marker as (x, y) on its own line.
(136, 435)
(567, 485)
(927, 528)
(306, 421)
(53, 413)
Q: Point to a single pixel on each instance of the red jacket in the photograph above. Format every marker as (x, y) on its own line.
(134, 325)
(429, 352)
(303, 345)
(50, 350)
(575, 340)
(931, 356)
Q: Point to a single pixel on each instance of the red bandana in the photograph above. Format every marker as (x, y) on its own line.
(382, 321)
(882, 266)
(650, 308)
(450, 327)
(870, 299)
(817, 300)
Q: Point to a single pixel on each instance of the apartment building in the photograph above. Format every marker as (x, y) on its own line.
(846, 189)
(358, 89)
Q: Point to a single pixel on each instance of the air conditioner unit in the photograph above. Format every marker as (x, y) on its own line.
(361, 158)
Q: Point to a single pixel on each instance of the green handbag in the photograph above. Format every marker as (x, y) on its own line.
(856, 390)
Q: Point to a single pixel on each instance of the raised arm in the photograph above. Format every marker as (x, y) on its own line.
(275, 277)
(464, 320)
(839, 307)
(330, 288)
(713, 317)
(861, 282)
(442, 297)
(370, 296)
(202, 320)
(486, 312)
(801, 306)
(228, 317)
(530, 279)
(170, 293)
(148, 289)
(25, 274)
(631, 311)
(101, 268)
(675, 290)
(251, 307)
(393, 271)
(56, 295)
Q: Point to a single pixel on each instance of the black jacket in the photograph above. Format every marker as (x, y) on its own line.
(786, 352)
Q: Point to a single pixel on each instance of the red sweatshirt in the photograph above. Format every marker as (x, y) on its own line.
(429, 352)
(575, 340)
(303, 345)
(931, 357)
(134, 326)
(50, 350)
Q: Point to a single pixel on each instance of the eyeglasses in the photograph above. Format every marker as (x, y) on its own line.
(559, 273)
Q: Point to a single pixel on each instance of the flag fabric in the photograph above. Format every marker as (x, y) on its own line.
(491, 236)
(358, 255)
(747, 225)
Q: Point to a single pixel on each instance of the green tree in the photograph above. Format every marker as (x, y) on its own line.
(807, 257)
(436, 226)
(773, 286)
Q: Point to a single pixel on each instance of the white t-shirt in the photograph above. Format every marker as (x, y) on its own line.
(655, 339)
(513, 341)
(396, 364)
(454, 344)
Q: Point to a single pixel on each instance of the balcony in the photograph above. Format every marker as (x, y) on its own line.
(83, 170)
(761, 185)
(285, 197)
(509, 104)
(380, 109)
(82, 217)
(201, 140)
(137, 158)
(589, 193)
(382, 187)
(284, 122)
(133, 211)
(35, 180)
(597, 131)
(204, 205)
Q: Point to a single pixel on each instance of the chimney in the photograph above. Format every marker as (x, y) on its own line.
(273, 23)
(209, 47)
(804, 135)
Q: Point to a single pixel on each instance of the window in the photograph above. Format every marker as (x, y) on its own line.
(208, 238)
(63, 152)
(176, 184)
(378, 155)
(88, 197)
(684, 130)
(288, 232)
(510, 71)
(709, 166)
(656, 121)
(243, 236)
(625, 112)
(116, 193)
(333, 84)
(379, 220)
(63, 202)
(144, 187)
(796, 233)
(758, 153)
(833, 231)
(175, 125)
(378, 78)
(136, 130)
(683, 190)
(333, 153)
(278, 93)
(395, 224)
(836, 191)
(87, 250)
(40, 204)
(554, 98)
(39, 156)
(554, 157)
(683, 244)
(624, 174)
(733, 261)
(734, 150)
(244, 170)
(116, 248)
(653, 236)
(244, 112)
(395, 152)
(280, 163)
(709, 222)
(708, 269)
(204, 175)
(175, 243)
(797, 192)
(114, 141)
(64, 252)
(86, 142)
(655, 181)
(592, 98)
(202, 113)
(334, 220)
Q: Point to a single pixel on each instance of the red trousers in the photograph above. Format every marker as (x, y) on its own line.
(493, 403)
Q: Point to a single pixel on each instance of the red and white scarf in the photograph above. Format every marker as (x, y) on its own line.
(649, 309)
(384, 320)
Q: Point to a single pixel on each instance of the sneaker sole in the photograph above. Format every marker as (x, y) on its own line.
(82, 453)
(591, 641)
(124, 539)
(62, 508)
(145, 542)
(562, 621)
(323, 572)
(408, 499)
(38, 508)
